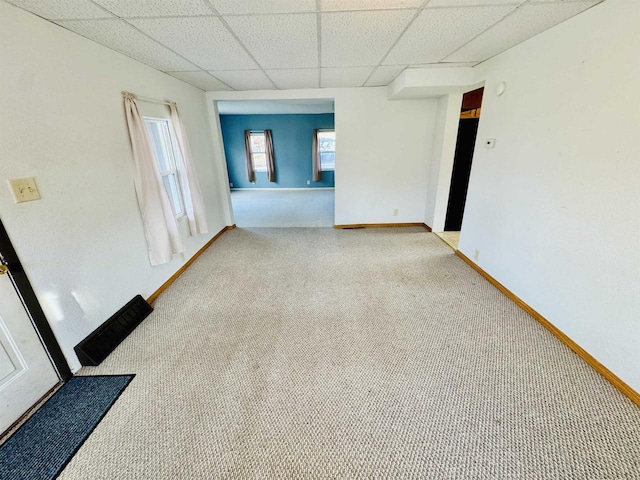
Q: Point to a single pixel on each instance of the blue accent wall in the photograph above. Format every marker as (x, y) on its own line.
(292, 144)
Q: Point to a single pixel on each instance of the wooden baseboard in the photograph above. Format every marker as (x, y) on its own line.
(577, 349)
(380, 225)
(173, 277)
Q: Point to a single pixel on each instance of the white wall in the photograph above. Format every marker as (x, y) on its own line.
(441, 167)
(383, 151)
(222, 174)
(554, 209)
(62, 121)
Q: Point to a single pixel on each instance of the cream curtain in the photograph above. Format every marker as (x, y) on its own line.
(315, 158)
(193, 201)
(160, 226)
(271, 168)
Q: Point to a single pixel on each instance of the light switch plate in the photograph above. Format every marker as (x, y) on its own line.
(24, 189)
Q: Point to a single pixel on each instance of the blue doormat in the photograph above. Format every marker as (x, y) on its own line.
(44, 444)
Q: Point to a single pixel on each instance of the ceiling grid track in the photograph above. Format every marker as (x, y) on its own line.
(196, 40)
(518, 7)
(319, 35)
(485, 30)
(159, 43)
(413, 19)
(237, 39)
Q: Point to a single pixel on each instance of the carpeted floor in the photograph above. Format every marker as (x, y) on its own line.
(377, 353)
(47, 441)
(284, 208)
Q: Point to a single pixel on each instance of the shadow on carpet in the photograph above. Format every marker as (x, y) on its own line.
(44, 444)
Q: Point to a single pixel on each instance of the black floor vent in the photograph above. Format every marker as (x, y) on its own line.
(97, 346)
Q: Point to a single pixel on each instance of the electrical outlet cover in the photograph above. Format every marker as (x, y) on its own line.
(24, 189)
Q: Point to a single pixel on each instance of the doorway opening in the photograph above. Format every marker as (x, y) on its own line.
(465, 144)
(280, 157)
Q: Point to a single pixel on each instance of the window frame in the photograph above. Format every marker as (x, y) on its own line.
(323, 167)
(173, 154)
(253, 162)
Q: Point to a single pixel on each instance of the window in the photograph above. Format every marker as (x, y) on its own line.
(165, 149)
(258, 151)
(327, 147)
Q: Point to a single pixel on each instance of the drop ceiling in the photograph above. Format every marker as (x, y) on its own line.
(284, 44)
(253, 107)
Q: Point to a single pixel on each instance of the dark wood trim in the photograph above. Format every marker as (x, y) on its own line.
(181, 270)
(20, 280)
(475, 113)
(577, 349)
(381, 225)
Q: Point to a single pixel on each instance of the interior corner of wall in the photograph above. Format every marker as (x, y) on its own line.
(72, 360)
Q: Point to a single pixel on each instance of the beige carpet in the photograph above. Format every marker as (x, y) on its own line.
(316, 353)
(313, 207)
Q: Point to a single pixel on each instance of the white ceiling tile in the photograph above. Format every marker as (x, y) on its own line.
(467, 3)
(295, 78)
(384, 75)
(443, 65)
(337, 5)
(360, 38)
(263, 6)
(245, 79)
(439, 31)
(120, 36)
(200, 79)
(155, 8)
(345, 77)
(62, 9)
(524, 23)
(205, 41)
(279, 41)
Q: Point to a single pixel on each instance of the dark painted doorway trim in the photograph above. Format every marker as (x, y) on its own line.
(9, 257)
(465, 144)
(463, 158)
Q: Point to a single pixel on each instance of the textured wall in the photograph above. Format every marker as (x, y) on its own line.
(383, 150)
(553, 209)
(63, 122)
(292, 137)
